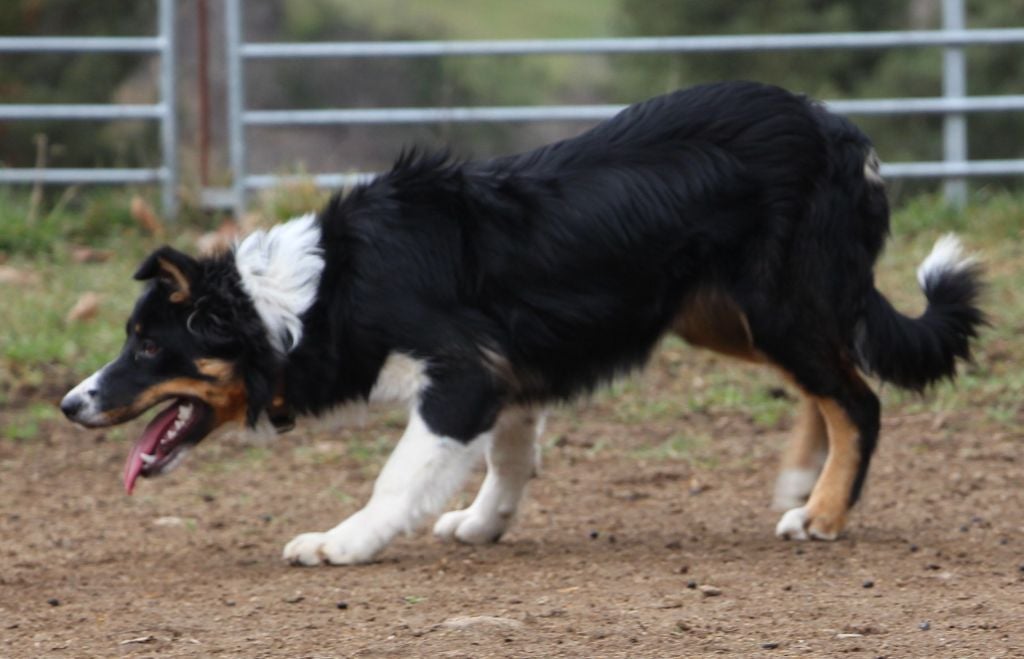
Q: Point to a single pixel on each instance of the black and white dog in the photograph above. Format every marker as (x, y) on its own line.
(740, 216)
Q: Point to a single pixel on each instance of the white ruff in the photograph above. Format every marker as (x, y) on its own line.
(280, 271)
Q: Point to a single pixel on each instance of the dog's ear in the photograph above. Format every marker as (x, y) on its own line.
(176, 270)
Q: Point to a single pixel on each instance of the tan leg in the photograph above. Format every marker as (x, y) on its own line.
(803, 458)
(824, 516)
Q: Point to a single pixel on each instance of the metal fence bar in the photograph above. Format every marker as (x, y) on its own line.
(942, 169)
(954, 86)
(327, 181)
(941, 105)
(80, 44)
(84, 112)
(236, 104)
(881, 106)
(169, 120)
(695, 44)
(71, 175)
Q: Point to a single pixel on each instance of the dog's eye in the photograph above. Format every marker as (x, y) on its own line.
(148, 348)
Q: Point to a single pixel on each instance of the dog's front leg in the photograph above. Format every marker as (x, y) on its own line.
(420, 476)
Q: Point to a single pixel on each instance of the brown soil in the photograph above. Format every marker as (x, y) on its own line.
(608, 557)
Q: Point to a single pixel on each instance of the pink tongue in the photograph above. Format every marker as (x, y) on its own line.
(147, 444)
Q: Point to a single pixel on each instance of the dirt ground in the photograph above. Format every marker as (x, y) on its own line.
(612, 556)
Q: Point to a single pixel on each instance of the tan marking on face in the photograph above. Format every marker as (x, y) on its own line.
(711, 319)
(809, 439)
(227, 396)
(829, 502)
(138, 328)
(219, 369)
(176, 278)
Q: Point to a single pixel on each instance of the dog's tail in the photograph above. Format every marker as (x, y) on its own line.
(915, 352)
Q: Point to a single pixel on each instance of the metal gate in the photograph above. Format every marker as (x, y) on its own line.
(163, 111)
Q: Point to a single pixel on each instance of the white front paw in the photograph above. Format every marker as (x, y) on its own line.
(803, 524)
(305, 549)
(793, 525)
(335, 547)
(471, 527)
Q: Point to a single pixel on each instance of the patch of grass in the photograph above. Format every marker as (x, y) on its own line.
(73, 217)
(297, 198)
(369, 450)
(677, 447)
(39, 344)
(28, 423)
(341, 496)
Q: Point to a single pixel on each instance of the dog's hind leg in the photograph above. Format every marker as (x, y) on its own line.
(851, 417)
(419, 478)
(512, 459)
(804, 457)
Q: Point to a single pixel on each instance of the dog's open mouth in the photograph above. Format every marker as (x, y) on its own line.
(167, 439)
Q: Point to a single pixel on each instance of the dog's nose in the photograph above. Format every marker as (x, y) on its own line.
(71, 405)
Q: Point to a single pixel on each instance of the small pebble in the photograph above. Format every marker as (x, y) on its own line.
(294, 599)
(914, 548)
(710, 591)
(683, 569)
(1022, 567)
(964, 528)
(342, 605)
(769, 646)
(267, 518)
(53, 601)
(925, 626)
(611, 539)
(933, 566)
(868, 583)
(787, 588)
(798, 551)
(594, 535)
(691, 584)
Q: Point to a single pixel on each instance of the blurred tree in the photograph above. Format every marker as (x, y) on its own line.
(74, 78)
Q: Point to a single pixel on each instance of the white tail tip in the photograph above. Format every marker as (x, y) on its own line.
(947, 256)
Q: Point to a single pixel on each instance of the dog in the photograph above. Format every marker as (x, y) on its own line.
(740, 216)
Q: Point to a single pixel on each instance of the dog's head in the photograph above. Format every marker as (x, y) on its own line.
(195, 340)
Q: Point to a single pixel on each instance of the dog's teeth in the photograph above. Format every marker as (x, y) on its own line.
(185, 412)
(147, 459)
